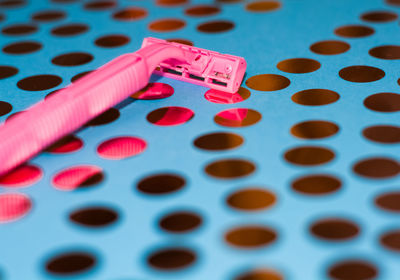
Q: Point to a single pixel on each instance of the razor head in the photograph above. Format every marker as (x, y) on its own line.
(211, 69)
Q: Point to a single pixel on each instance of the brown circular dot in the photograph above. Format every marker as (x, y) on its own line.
(159, 184)
(268, 82)
(19, 29)
(12, 3)
(251, 236)
(260, 274)
(383, 102)
(104, 118)
(393, 2)
(22, 47)
(315, 97)
(130, 14)
(70, 29)
(230, 168)
(166, 25)
(39, 82)
(80, 75)
(46, 16)
(63, 1)
(181, 41)
(379, 16)
(71, 263)
(237, 117)
(263, 6)
(100, 5)
(229, 1)
(386, 52)
(202, 10)
(309, 155)
(5, 108)
(7, 71)
(389, 201)
(95, 217)
(216, 26)
(112, 41)
(377, 167)
(171, 258)
(180, 222)
(387, 134)
(330, 47)
(316, 184)
(314, 129)
(72, 59)
(171, 2)
(299, 65)
(218, 141)
(334, 229)
(2, 17)
(361, 74)
(354, 31)
(391, 240)
(353, 270)
(251, 199)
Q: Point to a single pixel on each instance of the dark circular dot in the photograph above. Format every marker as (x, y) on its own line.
(216, 26)
(218, 141)
(393, 2)
(100, 5)
(383, 102)
(391, 240)
(251, 236)
(377, 167)
(78, 177)
(181, 41)
(7, 71)
(2, 17)
(387, 134)
(316, 184)
(39, 82)
(315, 97)
(389, 201)
(299, 65)
(63, 1)
(309, 155)
(70, 29)
(353, 270)
(171, 258)
(71, 263)
(314, 129)
(379, 16)
(12, 3)
(72, 59)
(47, 16)
(19, 29)
(168, 116)
(166, 25)
(5, 108)
(202, 10)
(268, 82)
(180, 222)
(263, 6)
(237, 117)
(229, 1)
(104, 118)
(330, 47)
(334, 229)
(386, 52)
(112, 41)
(354, 31)
(230, 168)
(159, 184)
(97, 216)
(130, 14)
(251, 199)
(80, 75)
(171, 2)
(260, 274)
(67, 144)
(361, 74)
(22, 47)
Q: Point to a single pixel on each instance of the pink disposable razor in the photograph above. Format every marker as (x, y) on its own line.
(42, 124)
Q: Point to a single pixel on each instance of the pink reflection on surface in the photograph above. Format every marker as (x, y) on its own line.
(237, 117)
(170, 116)
(121, 147)
(76, 177)
(13, 206)
(67, 144)
(222, 97)
(21, 176)
(154, 91)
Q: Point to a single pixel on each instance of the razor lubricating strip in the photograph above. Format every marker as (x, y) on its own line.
(207, 68)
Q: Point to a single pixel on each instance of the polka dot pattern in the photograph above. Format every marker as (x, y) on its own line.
(383, 102)
(354, 31)
(215, 26)
(361, 74)
(71, 263)
(159, 184)
(230, 168)
(39, 82)
(268, 82)
(377, 167)
(331, 47)
(172, 259)
(121, 147)
(168, 116)
(238, 117)
(218, 141)
(180, 222)
(166, 25)
(263, 6)
(14, 206)
(309, 155)
(251, 237)
(251, 199)
(299, 65)
(316, 184)
(77, 177)
(353, 269)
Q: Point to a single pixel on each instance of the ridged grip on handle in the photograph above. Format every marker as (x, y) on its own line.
(28, 133)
